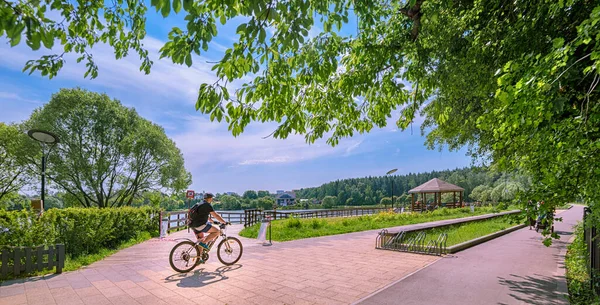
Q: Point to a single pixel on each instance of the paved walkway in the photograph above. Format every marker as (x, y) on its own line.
(338, 269)
(512, 269)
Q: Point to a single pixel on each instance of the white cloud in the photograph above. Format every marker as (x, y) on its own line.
(207, 142)
(172, 82)
(352, 147)
(11, 96)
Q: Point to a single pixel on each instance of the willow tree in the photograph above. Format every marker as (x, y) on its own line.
(108, 155)
(13, 168)
(513, 80)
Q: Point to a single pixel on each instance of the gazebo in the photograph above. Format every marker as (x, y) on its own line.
(436, 187)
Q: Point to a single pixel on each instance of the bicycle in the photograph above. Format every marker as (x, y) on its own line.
(190, 254)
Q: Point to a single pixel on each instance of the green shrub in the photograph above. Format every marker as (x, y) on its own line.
(578, 274)
(81, 230)
(293, 222)
(316, 223)
(501, 206)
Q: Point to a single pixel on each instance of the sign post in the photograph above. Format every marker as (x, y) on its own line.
(189, 194)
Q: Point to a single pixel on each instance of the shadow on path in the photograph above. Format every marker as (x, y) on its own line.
(201, 278)
(537, 289)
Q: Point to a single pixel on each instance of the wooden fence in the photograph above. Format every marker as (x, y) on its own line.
(177, 220)
(17, 260)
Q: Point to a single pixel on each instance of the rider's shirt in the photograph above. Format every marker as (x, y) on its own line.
(203, 210)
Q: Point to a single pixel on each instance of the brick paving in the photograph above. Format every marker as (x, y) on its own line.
(338, 269)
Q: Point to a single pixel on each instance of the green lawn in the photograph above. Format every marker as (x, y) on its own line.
(293, 228)
(459, 233)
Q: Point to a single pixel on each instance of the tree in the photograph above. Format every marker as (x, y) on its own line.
(386, 201)
(250, 194)
(229, 202)
(524, 106)
(265, 202)
(263, 194)
(329, 202)
(481, 193)
(108, 154)
(13, 169)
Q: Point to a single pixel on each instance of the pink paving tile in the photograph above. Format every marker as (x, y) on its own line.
(87, 291)
(123, 300)
(63, 291)
(103, 284)
(111, 291)
(58, 284)
(150, 300)
(126, 284)
(148, 285)
(206, 300)
(68, 300)
(264, 301)
(96, 300)
(162, 292)
(40, 299)
(11, 290)
(179, 300)
(13, 300)
(137, 292)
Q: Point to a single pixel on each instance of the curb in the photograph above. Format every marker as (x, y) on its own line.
(427, 225)
(482, 239)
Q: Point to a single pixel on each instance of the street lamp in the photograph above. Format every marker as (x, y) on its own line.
(45, 138)
(389, 173)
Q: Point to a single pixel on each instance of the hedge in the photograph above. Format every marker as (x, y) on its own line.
(578, 272)
(81, 230)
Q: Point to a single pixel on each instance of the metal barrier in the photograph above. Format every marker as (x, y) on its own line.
(415, 243)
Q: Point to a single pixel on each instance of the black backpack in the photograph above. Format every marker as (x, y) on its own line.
(193, 213)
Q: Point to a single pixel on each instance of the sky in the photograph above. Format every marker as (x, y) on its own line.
(218, 161)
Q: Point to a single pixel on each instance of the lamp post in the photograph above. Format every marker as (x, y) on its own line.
(45, 138)
(389, 173)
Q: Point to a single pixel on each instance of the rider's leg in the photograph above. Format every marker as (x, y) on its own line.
(211, 235)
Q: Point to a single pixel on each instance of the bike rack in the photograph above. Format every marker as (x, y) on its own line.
(413, 243)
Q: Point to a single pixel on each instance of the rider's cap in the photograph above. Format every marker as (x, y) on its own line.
(208, 195)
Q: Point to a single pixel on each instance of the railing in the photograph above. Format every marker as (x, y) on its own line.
(177, 220)
(17, 260)
(593, 245)
(325, 213)
(414, 243)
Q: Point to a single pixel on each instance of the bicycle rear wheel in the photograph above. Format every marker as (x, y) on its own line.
(230, 251)
(184, 256)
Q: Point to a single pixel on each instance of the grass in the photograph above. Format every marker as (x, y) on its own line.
(460, 233)
(564, 206)
(578, 276)
(293, 228)
(74, 263)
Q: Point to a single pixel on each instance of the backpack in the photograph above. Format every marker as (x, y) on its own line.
(192, 214)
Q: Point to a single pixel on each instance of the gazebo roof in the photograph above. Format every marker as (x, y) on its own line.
(436, 185)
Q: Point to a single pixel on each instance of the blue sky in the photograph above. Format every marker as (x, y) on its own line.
(218, 161)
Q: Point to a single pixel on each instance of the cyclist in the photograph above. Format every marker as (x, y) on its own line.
(199, 215)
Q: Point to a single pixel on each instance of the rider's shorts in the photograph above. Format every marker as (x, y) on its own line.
(202, 228)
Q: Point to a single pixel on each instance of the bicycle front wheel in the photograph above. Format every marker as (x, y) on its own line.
(184, 256)
(230, 251)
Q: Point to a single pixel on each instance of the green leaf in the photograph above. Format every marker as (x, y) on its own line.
(15, 40)
(262, 35)
(558, 42)
(166, 8)
(241, 28)
(188, 60)
(223, 19)
(176, 6)
(187, 5)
